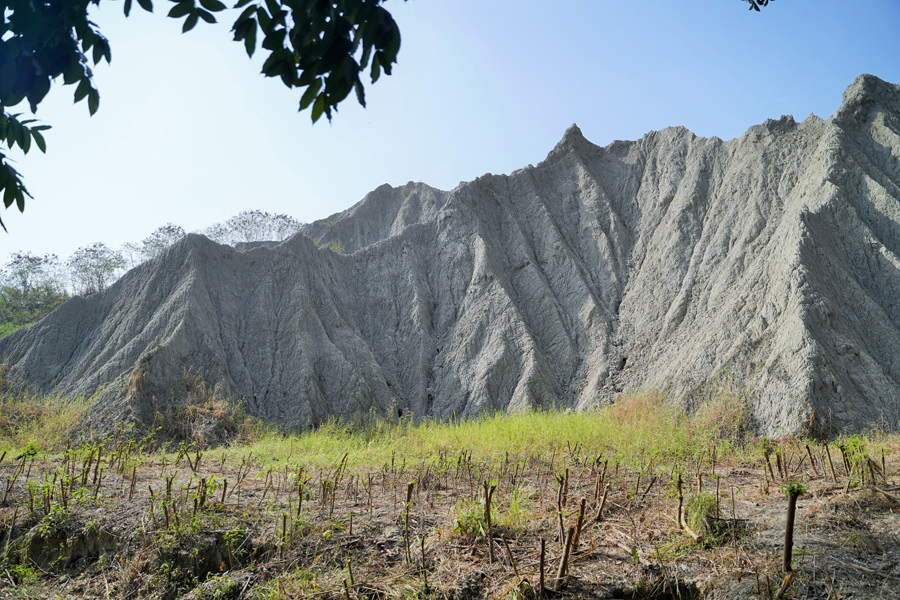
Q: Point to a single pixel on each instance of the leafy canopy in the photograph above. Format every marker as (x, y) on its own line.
(321, 46)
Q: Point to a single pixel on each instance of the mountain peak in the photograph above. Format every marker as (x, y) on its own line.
(573, 132)
(571, 140)
(868, 90)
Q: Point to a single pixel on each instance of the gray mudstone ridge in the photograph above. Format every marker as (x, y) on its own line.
(772, 259)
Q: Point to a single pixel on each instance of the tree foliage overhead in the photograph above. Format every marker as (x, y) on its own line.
(320, 46)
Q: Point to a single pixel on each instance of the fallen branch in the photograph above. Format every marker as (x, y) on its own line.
(889, 495)
(868, 571)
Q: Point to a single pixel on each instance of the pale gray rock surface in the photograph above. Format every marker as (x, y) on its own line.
(772, 259)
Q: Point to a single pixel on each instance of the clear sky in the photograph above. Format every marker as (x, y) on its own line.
(189, 132)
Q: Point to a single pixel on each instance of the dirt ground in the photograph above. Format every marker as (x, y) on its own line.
(217, 524)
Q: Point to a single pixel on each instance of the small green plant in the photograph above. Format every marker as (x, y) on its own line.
(298, 584)
(23, 573)
(855, 453)
(333, 245)
(700, 513)
(794, 488)
(469, 520)
(219, 587)
(519, 514)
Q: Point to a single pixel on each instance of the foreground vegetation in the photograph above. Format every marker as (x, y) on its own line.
(633, 500)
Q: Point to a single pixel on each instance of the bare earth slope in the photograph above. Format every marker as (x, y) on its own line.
(771, 259)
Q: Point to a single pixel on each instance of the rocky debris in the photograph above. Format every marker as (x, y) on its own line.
(770, 260)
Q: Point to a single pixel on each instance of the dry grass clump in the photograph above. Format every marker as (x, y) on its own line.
(723, 416)
(28, 418)
(201, 414)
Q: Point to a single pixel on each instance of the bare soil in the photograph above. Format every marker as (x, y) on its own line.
(142, 526)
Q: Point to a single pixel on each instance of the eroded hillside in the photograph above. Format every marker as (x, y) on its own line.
(770, 259)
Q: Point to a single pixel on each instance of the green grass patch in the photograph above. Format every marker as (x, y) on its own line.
(633, 430)
(46, 423)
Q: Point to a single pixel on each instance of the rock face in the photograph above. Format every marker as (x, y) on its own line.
(773, 259)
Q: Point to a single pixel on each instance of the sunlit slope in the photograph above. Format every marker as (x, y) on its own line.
(770, 259)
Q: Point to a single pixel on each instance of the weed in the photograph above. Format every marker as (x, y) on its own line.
(470, 520)
(333, 245)
(700, 514)
(219, 587)
(23, 573)
(297, 584)
(720, 411)
(519, 513)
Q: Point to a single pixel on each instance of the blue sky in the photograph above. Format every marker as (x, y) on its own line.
(188, 131)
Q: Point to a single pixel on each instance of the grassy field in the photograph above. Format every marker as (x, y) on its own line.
(634, 500)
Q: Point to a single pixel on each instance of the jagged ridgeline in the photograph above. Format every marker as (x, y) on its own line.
(772, 260)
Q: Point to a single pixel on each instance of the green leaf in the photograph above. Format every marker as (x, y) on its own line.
(310, 94)
(307, 77)
(146, 5)
(274, 40)
(84, 86)
(127, 7)
(385, 62)
(24, 139)
(265, 21)
(73, 71)
(87, 39)
(245, 16)
(38, 91)
(242, 3)
(250, 40)
(206, 15)
(101, 49)
(274, 8)
(360, 92)
(393, 47)
(181, 9)
(39, 140)
(13, 132)
(20, 200)
(375, 73)
(212, 5)
(367, 52)
(318, 108)
(93, 101)
(190, 22)
(10, 194)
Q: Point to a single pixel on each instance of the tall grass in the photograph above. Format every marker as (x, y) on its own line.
(634, 429)
(34, 420)
(44, 422)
